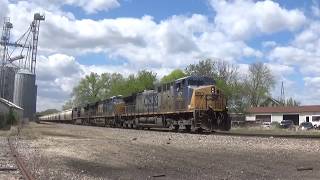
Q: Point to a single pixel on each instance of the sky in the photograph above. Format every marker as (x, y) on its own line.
(125, 36)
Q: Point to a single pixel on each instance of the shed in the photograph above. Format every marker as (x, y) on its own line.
(5, 107)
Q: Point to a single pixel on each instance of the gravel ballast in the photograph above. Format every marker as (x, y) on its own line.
(61, 151)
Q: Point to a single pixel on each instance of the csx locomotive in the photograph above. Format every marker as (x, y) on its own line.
(191, 103)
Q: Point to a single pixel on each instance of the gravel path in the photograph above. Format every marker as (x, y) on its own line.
(8, 169)
(61, 151)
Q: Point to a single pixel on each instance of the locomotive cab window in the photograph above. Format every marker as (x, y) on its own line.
(178, 87)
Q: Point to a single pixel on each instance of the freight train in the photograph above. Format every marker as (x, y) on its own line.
(191, 103)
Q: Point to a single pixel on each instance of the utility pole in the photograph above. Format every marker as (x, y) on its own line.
(282, 96)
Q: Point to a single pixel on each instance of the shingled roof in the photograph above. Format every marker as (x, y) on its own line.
(284, 109)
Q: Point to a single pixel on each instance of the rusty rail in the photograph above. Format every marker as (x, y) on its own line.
(24, 171)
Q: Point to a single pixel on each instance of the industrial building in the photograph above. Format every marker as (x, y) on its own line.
(18, 64)
(297, 114)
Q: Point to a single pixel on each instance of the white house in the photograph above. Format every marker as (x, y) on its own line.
(297, 114)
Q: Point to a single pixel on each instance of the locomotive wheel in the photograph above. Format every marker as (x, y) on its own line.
(199, 130)
(226, 122)
(175, 127)
(188, 128)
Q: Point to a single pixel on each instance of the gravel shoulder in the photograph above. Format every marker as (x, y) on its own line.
(61, 151)
(8, 168)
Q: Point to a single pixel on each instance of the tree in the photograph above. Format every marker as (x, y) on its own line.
(292, 102)
(258, 83)
(88, 90)
(145, 80)
(174, 75)
(94, 87)
(68, 105)
(203, 68)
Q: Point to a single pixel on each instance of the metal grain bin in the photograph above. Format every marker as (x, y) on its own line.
(25, 93)
(7, 76)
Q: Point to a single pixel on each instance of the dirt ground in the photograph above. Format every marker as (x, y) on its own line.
(60, 151)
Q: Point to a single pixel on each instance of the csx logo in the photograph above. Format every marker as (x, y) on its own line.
(151, 100)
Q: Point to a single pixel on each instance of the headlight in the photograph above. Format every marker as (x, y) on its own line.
(212, 90)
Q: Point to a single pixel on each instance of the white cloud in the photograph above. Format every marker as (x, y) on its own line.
(173, 42)
(240, 19)
(315, 8)
(269, 44)
(56, 77)
(4, 9)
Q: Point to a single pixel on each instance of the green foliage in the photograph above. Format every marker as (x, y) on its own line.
(68, 105)
(292, 102)
(12, 117)
(275, 124)
(96, 87)
(6, 120)
(88, 89)
(174, 75)
(203, 68)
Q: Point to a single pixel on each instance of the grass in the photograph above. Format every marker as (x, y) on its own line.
(274, 131)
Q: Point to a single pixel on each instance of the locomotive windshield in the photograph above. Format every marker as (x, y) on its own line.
(195, 83)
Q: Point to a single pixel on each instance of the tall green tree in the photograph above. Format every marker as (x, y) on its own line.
(258, 83)
(203, 68)
(94, 87)
(292, 102)
(88, 90)
(68, 105)
(145, 79)
(174, 75)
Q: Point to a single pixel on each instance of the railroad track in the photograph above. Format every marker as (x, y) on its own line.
(11, 165)
(223, 133)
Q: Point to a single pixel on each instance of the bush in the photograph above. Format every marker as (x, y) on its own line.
(6, 120)
(12, 118)
(275, 124)
(3, 121)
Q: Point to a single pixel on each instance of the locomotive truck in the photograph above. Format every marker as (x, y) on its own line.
(192, 103)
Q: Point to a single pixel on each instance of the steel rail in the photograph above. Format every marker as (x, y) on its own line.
(24, 171)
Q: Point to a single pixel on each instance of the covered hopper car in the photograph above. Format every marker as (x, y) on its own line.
(191, 103)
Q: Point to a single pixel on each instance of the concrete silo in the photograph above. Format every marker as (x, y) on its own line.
(25, 92)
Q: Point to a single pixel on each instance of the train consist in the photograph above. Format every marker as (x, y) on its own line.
(191, 104)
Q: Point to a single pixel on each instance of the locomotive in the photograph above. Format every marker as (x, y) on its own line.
(192, 103)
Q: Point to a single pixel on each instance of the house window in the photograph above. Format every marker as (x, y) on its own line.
(263, 118)
(315, 118)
